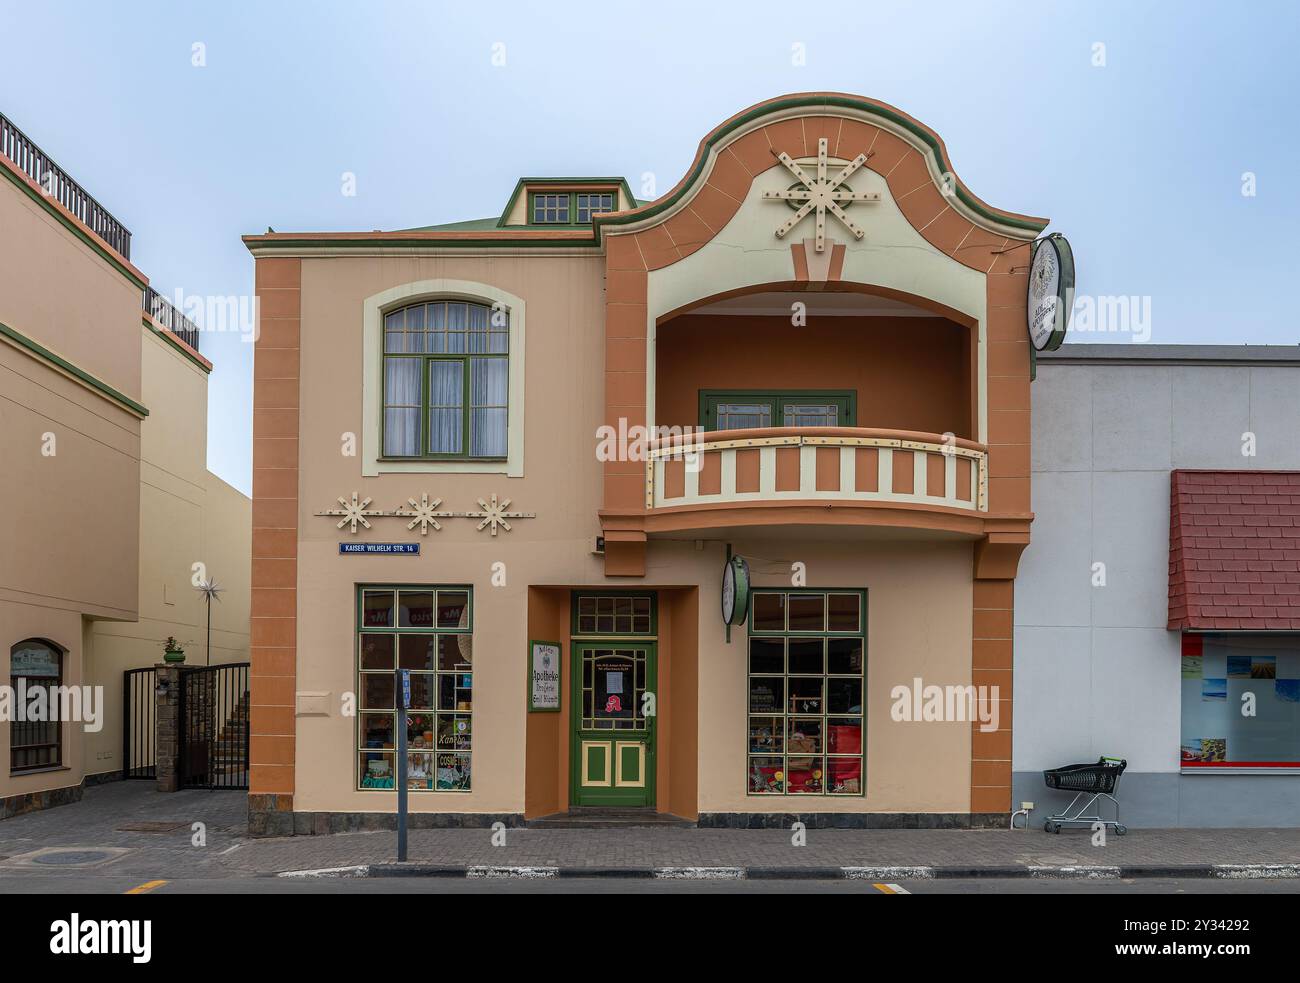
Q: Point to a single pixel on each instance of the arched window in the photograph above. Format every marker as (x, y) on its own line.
(35, 743)
(446, 381)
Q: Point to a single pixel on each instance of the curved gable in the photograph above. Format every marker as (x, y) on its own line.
(908, 155)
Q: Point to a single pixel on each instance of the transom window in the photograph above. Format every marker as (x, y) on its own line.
(807, 665)
(35, 743)
(614, 614)
(740, 410)
(446, 380)
(427, 630)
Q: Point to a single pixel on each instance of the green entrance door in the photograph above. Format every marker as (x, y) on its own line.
(613, 735)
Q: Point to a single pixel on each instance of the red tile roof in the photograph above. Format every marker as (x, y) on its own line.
(1234, 550)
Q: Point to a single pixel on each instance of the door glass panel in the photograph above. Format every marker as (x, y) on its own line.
(613, 682)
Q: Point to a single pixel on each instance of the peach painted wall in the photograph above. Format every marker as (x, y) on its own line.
(187, 515)
(57, 290)
(561, 483)
(910, 373)
(71, 528)
(918, 624)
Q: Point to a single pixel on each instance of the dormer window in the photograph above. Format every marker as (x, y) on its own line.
(551, 209)
(569, 207)
(590, 203)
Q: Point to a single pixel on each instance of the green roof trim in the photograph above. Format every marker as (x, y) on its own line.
(827, 101)
(81, 375)
(523, 182)
(91, 240)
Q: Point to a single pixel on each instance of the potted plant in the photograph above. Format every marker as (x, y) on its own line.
(172, 651)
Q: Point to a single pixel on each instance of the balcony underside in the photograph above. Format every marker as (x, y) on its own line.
(803, 518)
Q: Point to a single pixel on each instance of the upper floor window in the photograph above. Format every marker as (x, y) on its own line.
(589, 204)
(569, 207)
(446, 381)
(737, 410)
(35, 743)
(551, 209)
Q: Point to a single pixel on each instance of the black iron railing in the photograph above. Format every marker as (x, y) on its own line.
(165, 313)
(139, 727)
(33, 162)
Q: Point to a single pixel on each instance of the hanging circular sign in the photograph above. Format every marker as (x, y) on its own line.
(735, 591)
(1051, 292)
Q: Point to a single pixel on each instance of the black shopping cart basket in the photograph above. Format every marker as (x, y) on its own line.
(1091, 784)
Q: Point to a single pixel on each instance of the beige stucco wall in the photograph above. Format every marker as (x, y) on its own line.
(188, 516)
(925, 770)
(56, 289)
(70, 540)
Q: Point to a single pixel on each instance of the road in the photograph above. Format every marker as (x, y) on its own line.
(63, 883)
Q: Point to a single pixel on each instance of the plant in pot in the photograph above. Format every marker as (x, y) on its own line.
(172, 651)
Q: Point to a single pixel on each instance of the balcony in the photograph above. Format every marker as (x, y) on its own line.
(898, 482)
(54, 181)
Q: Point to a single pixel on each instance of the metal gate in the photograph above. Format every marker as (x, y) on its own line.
(139, 712)
(213, 726)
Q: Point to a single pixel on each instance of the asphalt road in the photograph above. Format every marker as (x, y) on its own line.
(63, 883)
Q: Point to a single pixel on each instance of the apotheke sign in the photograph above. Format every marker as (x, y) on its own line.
(1051, 292)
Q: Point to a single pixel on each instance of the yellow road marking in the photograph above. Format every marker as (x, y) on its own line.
(146, 887)
(890, 889)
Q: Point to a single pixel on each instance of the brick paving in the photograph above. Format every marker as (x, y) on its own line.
(95, 821)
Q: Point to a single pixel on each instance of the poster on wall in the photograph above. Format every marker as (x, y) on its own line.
(544, 676)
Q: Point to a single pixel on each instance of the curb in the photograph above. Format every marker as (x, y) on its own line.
(809, 873)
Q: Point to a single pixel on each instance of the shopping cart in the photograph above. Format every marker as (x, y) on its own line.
(1090, 783)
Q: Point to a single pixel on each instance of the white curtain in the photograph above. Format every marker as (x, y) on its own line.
(401, 406)
(446, 403)
(489, 378)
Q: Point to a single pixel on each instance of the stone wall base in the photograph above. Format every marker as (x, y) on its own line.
(855, 820)
(16, 805)
(267, 816)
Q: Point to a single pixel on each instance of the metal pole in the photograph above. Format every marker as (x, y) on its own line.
(209, 629)
(399, 771)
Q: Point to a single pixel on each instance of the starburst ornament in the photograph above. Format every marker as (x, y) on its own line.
(494, 515)
(354, 512)
(820, 194)
(424, 514)
(210, 589)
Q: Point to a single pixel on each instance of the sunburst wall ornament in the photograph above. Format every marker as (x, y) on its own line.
(424, 514)
(354, 512)
(492, 514)
(820, 194)
(495, 515)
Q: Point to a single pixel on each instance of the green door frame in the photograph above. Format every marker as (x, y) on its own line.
(643, 795)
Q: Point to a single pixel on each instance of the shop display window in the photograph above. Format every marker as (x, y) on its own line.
(428, 631)
(1240, 701)
(807, 667)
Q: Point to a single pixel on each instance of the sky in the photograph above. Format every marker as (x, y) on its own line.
(1160, 137)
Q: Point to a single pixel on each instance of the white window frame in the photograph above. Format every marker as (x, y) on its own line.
(372, 361)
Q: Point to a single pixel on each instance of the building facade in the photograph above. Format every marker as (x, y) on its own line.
(512, 458)
(1158, 607)
(107, 497)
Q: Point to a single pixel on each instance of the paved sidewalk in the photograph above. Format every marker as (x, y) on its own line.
(644, 849)
(101, 820)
